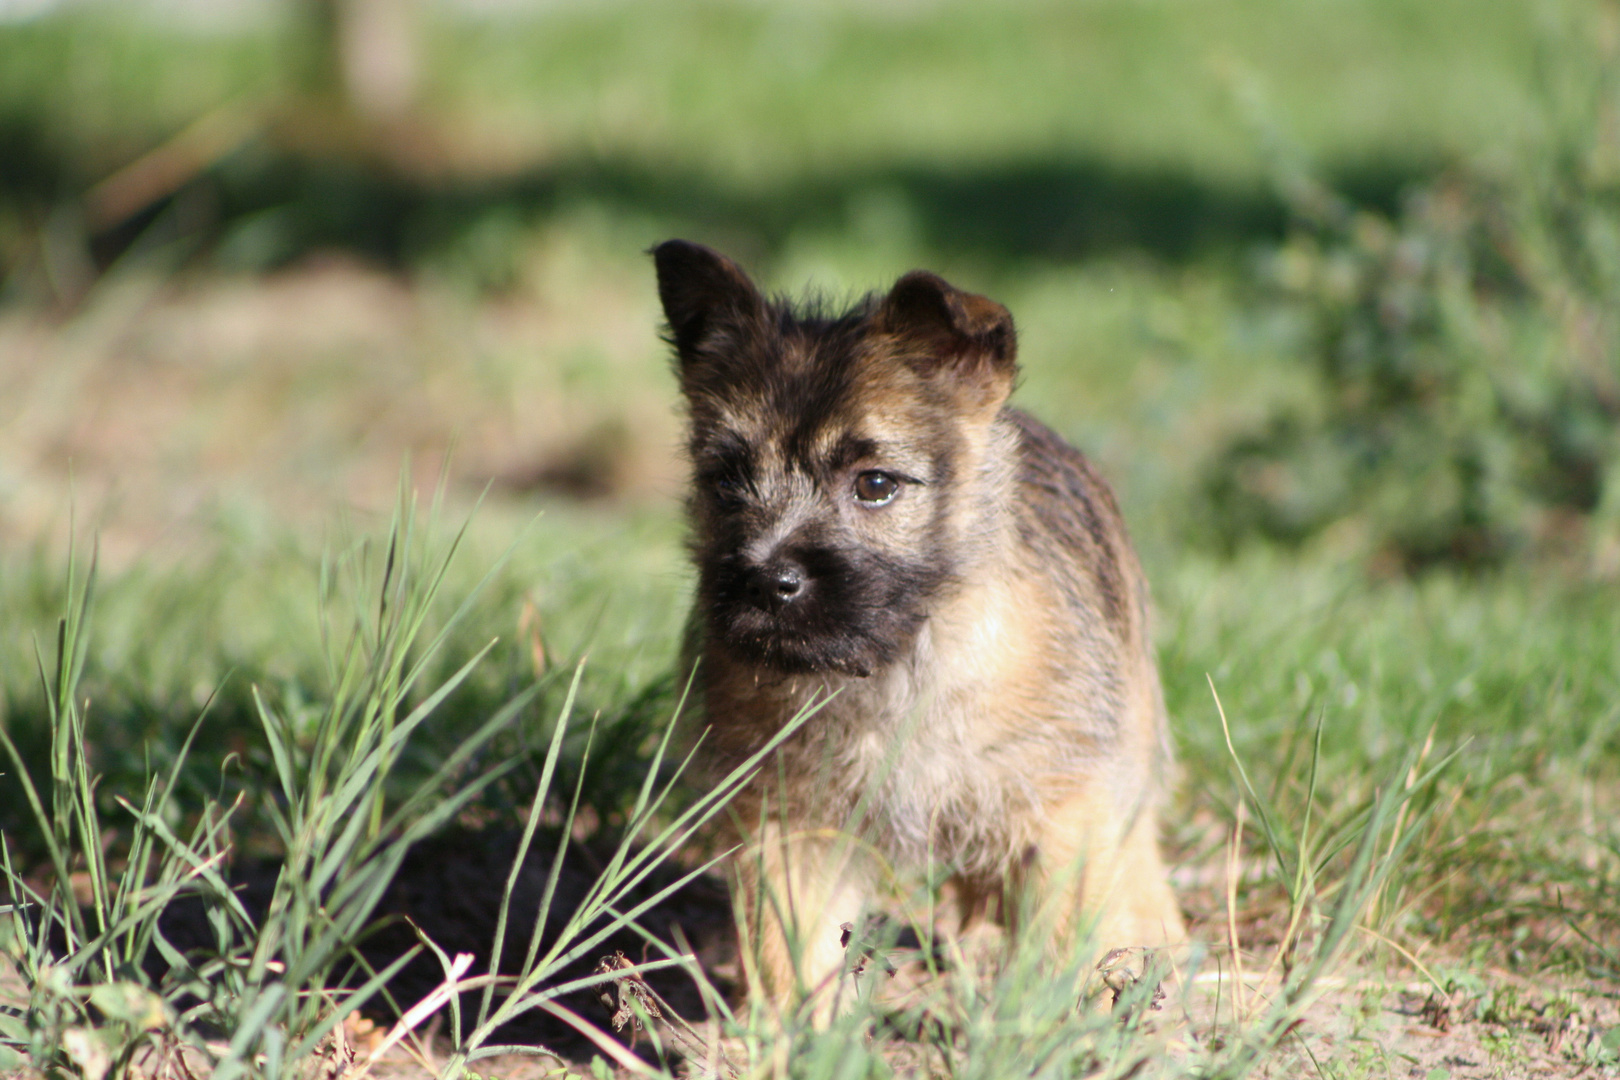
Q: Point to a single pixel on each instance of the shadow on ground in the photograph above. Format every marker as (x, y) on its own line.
(265, 205)
(450, 886)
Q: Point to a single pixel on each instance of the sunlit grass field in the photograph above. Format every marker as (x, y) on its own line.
(221, 392)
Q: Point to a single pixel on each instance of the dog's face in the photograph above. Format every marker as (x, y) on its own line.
(827, 457)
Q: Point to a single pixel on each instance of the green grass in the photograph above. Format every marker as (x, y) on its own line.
(764, 93)
(345, 807)
(1515, 674)
(251, 614)
(1101, 168)
(1132, 122)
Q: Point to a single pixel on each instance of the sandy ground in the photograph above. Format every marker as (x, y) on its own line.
(1363, 1027)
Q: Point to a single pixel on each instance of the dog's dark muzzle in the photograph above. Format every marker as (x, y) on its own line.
(810, 607)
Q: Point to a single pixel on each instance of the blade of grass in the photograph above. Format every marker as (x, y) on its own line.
(536, 811)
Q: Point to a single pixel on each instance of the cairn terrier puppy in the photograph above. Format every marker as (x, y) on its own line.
(878, 533)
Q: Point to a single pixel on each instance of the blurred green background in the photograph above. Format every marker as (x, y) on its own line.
(1259, 252)
(1328, 289)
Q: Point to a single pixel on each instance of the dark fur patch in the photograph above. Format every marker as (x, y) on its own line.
(863, 610)
(1064, 497)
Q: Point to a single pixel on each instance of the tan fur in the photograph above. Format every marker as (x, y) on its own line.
(1019, 735)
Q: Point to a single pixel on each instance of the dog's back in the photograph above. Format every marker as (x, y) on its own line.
(1071, 529)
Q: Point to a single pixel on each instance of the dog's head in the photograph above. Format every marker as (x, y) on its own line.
(829, 453)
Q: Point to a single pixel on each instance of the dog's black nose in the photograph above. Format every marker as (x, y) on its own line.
(778, 582)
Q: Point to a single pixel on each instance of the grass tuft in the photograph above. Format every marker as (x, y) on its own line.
(104, 985)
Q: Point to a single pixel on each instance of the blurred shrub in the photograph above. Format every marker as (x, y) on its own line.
(1468, 354)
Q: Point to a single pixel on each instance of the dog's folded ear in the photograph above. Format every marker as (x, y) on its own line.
(946, 329)
(701, 290)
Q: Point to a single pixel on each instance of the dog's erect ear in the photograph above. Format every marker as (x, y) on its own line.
(701, 289)
(947, 330)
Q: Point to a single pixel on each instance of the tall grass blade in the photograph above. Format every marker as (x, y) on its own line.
(536, 812)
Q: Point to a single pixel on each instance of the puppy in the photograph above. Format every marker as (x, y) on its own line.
(877, 533)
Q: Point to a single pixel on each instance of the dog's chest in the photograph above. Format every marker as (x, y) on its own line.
(933, 777)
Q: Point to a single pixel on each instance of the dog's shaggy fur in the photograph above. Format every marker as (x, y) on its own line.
(874, 528)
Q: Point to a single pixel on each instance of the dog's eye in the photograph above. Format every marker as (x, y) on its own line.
(876, 488)
(729, 491)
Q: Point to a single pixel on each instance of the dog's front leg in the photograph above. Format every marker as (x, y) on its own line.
(1097, 874)
(795, 892)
